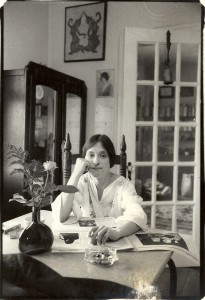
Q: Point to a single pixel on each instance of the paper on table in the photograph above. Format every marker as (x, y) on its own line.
(72, 224)
(82, 227)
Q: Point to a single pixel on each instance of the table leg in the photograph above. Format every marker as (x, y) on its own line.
(173, 278)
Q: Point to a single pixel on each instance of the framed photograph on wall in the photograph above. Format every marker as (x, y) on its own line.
(85, 30)
(105, 83)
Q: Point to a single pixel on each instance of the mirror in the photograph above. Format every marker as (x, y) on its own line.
(45, 112)
(73, 114)
(59, 102)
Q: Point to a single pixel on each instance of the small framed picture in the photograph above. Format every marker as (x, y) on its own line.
(87, 223)
(85, 31)
(105, 83)
(166, 91)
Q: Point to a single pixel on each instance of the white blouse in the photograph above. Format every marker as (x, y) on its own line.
(119, 200)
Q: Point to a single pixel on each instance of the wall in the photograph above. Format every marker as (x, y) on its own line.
(25, 34)
(36, 32)
(120, 15)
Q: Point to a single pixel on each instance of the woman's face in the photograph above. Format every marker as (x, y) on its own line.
(103, 79)
(98, 158)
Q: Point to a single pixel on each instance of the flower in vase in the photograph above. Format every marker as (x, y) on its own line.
(50, 165)
(37, 178)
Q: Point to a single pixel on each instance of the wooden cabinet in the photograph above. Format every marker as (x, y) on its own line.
(39, 124)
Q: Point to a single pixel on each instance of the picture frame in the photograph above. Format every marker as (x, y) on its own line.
(85, 32)
(105, 83)
(166, 92)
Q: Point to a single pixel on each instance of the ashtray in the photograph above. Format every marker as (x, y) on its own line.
(101, 255)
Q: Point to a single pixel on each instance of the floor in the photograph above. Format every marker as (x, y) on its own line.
(188, 284)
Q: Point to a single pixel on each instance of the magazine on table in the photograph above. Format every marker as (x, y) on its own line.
(73, 235)
(154, 239)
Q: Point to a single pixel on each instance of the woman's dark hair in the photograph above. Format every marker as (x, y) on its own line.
(105, 75)
(106, 143)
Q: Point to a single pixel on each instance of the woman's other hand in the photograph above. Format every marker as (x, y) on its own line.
(100, 234)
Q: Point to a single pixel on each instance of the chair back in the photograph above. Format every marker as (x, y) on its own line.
(68, 159)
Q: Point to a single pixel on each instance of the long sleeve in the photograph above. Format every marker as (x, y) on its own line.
(131, 207)
(78, 199)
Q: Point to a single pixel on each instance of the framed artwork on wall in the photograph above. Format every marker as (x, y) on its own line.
(105, 83)
(85, 30)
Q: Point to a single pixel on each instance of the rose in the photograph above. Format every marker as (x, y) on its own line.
(49, 165)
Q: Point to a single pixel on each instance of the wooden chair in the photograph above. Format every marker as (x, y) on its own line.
(68, 159)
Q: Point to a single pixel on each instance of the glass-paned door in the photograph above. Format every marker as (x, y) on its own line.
(162, 126)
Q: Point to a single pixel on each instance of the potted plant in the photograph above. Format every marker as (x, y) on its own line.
(37, 179)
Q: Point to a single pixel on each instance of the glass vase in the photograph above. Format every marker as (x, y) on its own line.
(37, 237)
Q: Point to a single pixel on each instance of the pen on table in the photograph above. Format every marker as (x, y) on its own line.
(12, 228)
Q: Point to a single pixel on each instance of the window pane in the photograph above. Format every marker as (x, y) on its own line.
(144, 143)
(184, 219)
(145, 62)
(166, 110)
(165, 143)
(147, 210)
(163, 57)
(187, 103)
(143, 182)
(164, 183)
(186, 143)
(164, 217)
(145, 100)
(189, 55)
(185, 183)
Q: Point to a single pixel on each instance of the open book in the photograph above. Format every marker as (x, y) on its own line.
(183, 246)
(72, 235)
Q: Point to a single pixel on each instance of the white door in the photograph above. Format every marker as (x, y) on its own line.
(162, 125)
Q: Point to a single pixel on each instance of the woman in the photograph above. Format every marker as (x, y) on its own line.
(101, 193)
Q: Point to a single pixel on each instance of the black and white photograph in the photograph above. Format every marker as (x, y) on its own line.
(105, 83)
(102, 138)
(162, 239)
(87, 223)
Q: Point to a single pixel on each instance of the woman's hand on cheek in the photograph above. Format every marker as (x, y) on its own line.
(81, 166)
(99, 235)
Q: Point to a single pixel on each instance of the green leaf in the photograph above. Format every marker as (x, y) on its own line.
(18, 162)
(13, 151)
(50, 186)
(15, 171)
(67, 189)
(13, 154)
(36, 165)
(37, 185)
(46, 201)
